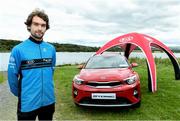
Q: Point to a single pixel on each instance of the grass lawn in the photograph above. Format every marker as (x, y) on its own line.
(3, 76)
(161, 105)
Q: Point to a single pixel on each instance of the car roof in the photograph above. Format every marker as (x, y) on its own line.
(106, 54)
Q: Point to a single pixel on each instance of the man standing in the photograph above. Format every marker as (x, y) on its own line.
(30, 71)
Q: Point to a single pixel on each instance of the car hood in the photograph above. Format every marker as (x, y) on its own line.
(105, 74)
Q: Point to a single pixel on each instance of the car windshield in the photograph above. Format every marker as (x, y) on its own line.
(111, 61)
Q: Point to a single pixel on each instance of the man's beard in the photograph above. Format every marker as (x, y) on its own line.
(37, 36)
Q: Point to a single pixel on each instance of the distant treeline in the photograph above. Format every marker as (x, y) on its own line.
(7, 45)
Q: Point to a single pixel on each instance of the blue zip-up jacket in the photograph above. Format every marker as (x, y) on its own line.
(30, 74)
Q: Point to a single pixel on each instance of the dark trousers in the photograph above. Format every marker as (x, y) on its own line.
(44, 113)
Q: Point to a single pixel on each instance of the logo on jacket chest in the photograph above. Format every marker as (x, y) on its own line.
(30, 61)
(44, 49)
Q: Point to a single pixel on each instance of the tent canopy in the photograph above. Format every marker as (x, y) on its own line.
(129, 42)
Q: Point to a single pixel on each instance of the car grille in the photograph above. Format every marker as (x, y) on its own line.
(118, 101)
(104, 84)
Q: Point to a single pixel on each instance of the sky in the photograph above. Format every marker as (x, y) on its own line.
(94, 22)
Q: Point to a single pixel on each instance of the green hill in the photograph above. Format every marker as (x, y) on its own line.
(7, 45)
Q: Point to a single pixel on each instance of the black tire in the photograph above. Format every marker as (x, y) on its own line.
(137, 105)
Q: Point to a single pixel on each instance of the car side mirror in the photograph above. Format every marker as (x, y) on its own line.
(80, 66)
(134, 65)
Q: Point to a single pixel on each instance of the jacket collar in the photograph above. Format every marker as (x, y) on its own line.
(35, 41)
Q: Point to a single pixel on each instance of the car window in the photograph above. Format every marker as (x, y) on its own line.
(113, 61)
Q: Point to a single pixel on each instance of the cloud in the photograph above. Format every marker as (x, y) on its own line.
(93, 22)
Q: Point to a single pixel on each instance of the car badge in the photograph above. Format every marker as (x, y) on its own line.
(103, 77)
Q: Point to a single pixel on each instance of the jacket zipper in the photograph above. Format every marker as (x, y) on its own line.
(41, 77)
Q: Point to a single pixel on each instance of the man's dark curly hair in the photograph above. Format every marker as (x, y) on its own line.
(39, 13)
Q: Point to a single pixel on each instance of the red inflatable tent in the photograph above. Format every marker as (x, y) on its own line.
(129, 42)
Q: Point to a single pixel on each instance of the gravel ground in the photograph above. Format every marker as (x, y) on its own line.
(8, 103)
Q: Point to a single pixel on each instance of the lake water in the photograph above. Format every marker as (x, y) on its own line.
(76, 57)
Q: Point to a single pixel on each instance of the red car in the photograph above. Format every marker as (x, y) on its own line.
(107, 80)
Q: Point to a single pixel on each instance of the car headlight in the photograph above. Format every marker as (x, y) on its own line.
(131, 80)
(78, 80)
